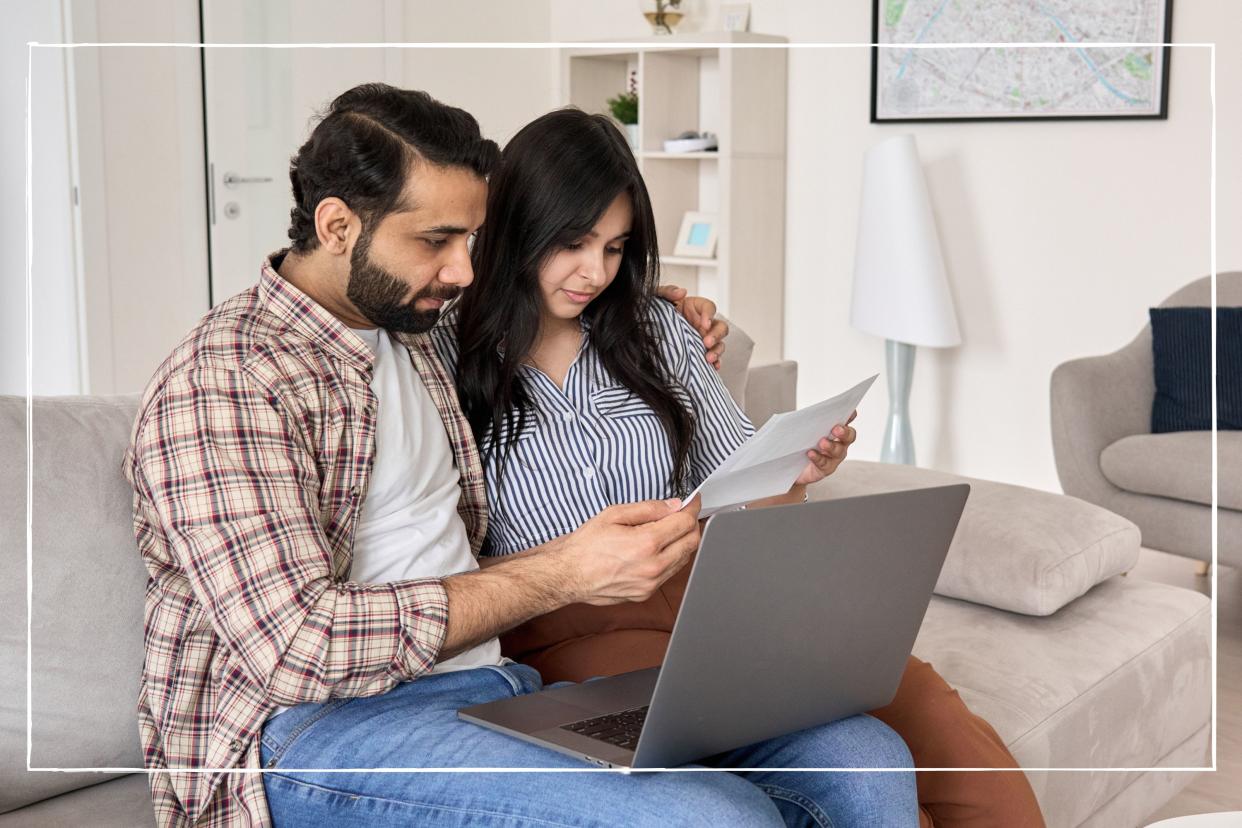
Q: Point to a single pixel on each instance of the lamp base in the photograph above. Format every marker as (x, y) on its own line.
(898, 438)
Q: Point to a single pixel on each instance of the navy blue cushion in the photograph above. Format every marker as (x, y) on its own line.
(1181, 343)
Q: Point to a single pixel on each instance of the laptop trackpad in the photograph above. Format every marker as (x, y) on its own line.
(610, 695)
(562, 705)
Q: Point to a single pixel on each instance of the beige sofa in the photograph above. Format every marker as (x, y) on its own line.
(1071, 673)
(1106, 453)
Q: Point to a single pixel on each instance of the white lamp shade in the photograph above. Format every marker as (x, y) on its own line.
(901, 291)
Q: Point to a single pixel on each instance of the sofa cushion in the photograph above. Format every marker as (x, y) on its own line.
(1120, 678)
(1016, 548)
(1146, 791)
(88, 584)
(771, 389)
(121, 803)
(1177, 465)
(1181, 345)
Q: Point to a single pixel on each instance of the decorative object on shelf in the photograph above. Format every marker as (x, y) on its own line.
(900, 289)
(735, 17)
(1015, 83)
(697, 237)
(624, 108)
(691, 141)
(663, 15)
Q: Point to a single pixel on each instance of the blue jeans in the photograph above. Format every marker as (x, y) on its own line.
(415, 725)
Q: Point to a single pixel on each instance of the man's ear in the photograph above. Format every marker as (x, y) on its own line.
(334, 222)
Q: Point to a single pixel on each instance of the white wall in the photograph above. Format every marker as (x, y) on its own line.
(55, 353)
(504, 88)
(143, 222)
(1057, 236)
(144, 231)
(138, 178)
(143, 200)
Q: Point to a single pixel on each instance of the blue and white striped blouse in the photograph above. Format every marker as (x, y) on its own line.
(593, 444)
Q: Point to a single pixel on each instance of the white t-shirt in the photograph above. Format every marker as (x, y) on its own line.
(409, 526)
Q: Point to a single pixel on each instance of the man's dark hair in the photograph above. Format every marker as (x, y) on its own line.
(363, 146)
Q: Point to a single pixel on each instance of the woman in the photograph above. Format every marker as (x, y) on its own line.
(584, 392)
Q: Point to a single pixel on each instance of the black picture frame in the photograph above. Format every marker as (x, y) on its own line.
(1162, 114)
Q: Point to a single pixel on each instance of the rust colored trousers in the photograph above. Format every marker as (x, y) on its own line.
(581, 641)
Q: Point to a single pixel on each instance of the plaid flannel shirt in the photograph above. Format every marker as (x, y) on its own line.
(250, 460)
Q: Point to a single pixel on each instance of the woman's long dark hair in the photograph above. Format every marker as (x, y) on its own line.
(555, 180)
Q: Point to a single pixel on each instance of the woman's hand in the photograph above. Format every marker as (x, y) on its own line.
(829, 453)
(701, 314)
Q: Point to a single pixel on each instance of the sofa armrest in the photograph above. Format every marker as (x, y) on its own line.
(1095, 401)
(771, 389)
(735, 364)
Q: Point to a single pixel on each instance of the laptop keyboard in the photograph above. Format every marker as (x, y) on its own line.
(620, 729)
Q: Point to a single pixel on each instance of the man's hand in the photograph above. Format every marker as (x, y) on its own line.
(701, 314)
(828, 453)
(626, 552)
(622, 554)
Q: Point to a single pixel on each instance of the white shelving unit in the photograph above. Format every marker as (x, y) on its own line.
(708, 82)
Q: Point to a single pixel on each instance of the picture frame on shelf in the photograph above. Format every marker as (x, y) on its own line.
(912, 81)
(697, 237)
(735, 17)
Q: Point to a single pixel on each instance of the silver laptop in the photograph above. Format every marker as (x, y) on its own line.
(793, 616)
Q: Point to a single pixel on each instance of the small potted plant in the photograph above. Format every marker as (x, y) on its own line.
(624, 108)
(663, 15)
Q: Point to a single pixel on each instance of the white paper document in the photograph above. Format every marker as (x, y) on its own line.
(768, 463)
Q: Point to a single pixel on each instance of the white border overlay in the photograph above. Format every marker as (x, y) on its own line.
(585, 47)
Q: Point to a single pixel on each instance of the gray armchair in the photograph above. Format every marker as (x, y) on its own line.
(1106, 454)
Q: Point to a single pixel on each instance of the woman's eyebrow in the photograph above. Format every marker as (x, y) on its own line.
(593, 234)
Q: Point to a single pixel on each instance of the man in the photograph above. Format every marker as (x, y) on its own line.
(288, 455)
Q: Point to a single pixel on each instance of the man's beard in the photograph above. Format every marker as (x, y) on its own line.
(377, 294)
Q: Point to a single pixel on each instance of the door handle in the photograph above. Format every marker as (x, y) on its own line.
(232, 179)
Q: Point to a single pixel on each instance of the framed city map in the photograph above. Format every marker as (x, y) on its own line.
(999, 82)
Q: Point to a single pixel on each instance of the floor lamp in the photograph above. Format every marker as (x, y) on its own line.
(901, 292)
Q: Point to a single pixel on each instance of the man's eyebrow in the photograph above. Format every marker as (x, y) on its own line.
(447, 230)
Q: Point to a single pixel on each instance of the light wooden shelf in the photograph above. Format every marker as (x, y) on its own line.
(697, 82)
(693, 261)
(689, 156)
(692, 44)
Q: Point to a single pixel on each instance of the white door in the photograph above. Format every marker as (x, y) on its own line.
(258, 102)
